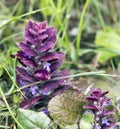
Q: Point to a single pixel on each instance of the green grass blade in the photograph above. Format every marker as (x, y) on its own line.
(97, 73)
(99, 13)
(6, 127)
(94, 73)
(81, 25)
(21, 16)
(9, 37)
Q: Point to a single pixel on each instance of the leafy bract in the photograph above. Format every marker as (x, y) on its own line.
(87, 121)
(32, 120)
(65, 109)
(109, 42)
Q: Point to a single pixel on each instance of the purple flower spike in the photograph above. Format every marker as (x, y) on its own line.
(98, 104)
(40, 63)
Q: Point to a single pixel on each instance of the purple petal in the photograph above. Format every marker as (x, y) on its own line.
(104, 101)
(52, 56)
(97, 127)
(35, 26)
(45, 111)
(22, 82)
(28, 26)
(105, 122)
(33, 31)
(116, 127)
(55, 65)
(62, 89)
(33, 89)
(42, 25)
(24, 75)
(42, 36)
(25, 59)
(41, 31)
(21, 54)
(42, 75)
(28, 62)
(51, 33)
(48, 86)
(92, 98)
(46, 46)
(28, 36)
(29, 102)
(96, 92)
(108, 112)
(90, 107)
(28, 91)
(103, 93)
(26, 48)
(46, 66)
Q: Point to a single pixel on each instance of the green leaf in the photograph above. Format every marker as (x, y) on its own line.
(66, 108)
(87, 121)
(32, 120)
(45, 3)
(109, 40)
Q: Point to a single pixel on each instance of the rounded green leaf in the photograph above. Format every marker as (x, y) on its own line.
(87, 121)
(32, 120)
(109, 41)
(65, 109)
